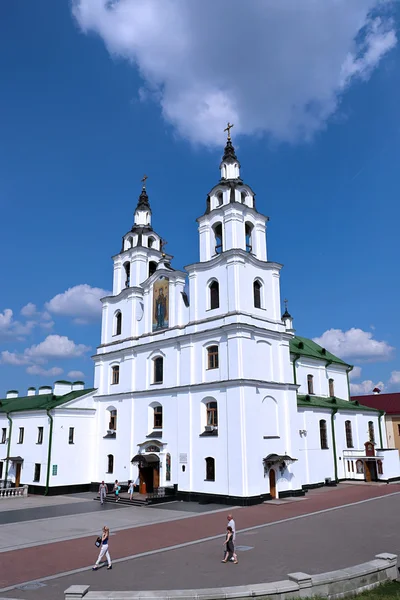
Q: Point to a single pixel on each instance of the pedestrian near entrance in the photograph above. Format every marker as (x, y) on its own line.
(229, 546)
(104, 549)
(131, 489)
(116, 490)
(232, 524)
(103, 491)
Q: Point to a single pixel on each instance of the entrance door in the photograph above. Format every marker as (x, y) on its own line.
(146, 480)
(272, 483)
(17, 474)
(371, 473)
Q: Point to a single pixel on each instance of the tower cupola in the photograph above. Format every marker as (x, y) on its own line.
(229, 165)
(142, 215)
(287, 319)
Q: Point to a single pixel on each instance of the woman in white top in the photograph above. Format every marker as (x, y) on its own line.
(104, 549)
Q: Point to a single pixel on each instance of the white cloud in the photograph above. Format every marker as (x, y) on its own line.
(394, 378)
(29, 310)
(270, 67)
(9, 328)
(81, 301)
(356, 344)
(365, 387)
(355, 373)
(36, 370)
(76, 375)
(55, 346)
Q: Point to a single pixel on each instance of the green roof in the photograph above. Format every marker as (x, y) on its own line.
(311, 401)
(40, 401)
(305, 347)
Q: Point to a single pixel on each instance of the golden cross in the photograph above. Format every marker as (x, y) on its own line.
(144, 180)
(228, 129)
(162, 244)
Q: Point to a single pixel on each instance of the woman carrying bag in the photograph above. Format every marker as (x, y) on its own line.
(102, 543)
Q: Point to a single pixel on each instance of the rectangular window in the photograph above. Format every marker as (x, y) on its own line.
(71, 435)
(40, 435)
(158, 417)
(36, 476)
(158, 370)
(212, 353)
(3, 435)
(21, 435)
(115, 375)
(398, 429)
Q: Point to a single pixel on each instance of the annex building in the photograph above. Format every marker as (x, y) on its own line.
(200, 383)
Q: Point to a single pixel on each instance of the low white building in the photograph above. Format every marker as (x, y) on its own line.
(200, 383)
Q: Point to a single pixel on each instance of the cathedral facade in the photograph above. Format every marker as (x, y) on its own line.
(202, 385)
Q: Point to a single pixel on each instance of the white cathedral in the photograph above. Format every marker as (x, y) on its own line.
(201, 386)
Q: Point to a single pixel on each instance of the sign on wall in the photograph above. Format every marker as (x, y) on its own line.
(161, 303)
(55, 468)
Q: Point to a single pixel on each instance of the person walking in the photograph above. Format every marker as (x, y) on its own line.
(232, 524)
(131, 489)
(229, 546)
(103, 491)
(104, 549)
(116, 490)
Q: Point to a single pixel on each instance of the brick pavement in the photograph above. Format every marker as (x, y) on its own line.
(55, 558)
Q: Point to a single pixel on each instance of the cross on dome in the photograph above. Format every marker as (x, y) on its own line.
(228, 129)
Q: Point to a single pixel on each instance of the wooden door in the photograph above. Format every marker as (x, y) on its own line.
(18, 475)
(156, 477)
(142, 483)
(272, 483)
(372, 470)
(367, 470)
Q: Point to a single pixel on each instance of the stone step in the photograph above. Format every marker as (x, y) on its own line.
(124, 501)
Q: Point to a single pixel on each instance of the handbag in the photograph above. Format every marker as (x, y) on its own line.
(98, 542)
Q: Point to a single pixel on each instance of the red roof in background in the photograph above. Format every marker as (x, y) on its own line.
(390, 403)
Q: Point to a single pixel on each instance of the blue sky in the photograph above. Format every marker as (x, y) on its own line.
(94, 97)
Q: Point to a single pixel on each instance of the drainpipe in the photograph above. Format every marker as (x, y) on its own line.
(8, 446)
(294, 368)
(381, 414)
(334, 411)
(348, 380)
(46, 491)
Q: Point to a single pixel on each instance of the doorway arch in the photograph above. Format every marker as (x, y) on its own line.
(149, 472)
(272, 483)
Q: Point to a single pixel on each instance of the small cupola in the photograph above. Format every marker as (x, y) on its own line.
(287, 319)
(142, 214)
(230, 166)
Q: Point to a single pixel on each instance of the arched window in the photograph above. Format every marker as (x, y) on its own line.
(219, 197)
(380, 467)
(150, 242)
(158, 417)
(248, 233)
(115, 375)
(130, 242)
(158, 370)
(269, 417)
(371, 432)
(323, 434)
(212, 414)
(168, 467)
(214, 294)
(110, 463)
(210, 469)
(257, 294)
(127, 267)
(331, 387)
(310, 384)
(212, 357)
(218, 238)
(349, 434)
(243, 197)
(152, 267)
(118, 323)
(112, 425)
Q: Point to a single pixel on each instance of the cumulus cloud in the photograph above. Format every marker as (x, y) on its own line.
(355, 344)
(36, 370)
(355, 373)
(76, 375)
(10, 328)
(270, 67)
(53, 347)
(81, 302)
(394, 378)
(365, 387)
(28, 310)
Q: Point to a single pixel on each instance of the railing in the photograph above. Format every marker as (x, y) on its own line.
(353, 453)
(21, 492)
(158, 493)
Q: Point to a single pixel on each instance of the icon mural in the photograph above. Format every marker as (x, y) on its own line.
(160, 303)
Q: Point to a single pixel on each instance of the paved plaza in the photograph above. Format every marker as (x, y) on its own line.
(179, 545)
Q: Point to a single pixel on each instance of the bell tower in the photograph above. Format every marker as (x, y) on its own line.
(231, 220)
